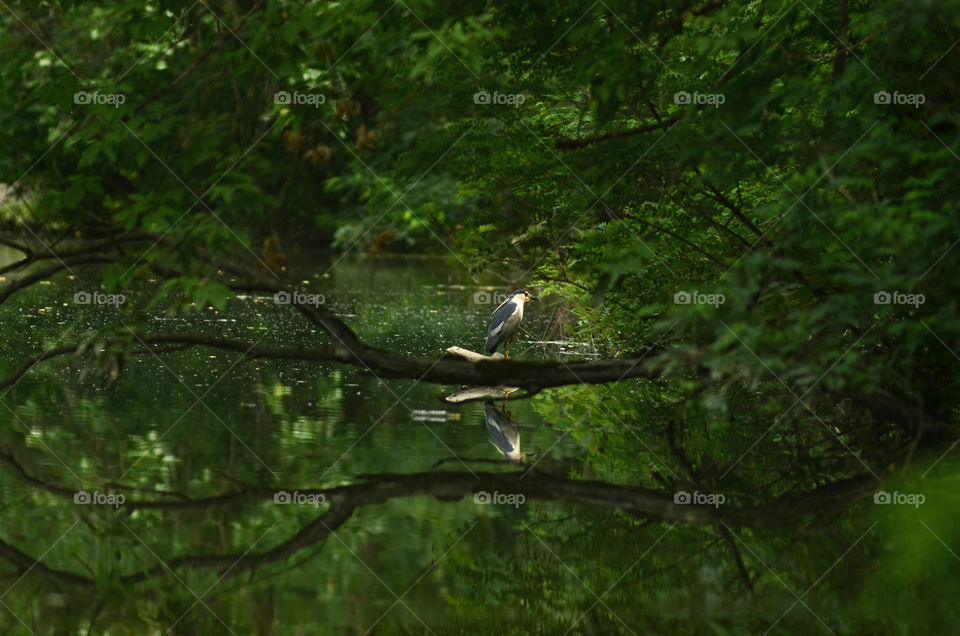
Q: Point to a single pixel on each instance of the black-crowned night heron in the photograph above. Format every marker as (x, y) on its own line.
(506, 321)
(503, 432)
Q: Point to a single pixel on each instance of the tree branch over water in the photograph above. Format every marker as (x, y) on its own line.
(532, 376)
(346, 348)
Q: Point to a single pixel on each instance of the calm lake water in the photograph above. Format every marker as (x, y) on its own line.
(189, 491)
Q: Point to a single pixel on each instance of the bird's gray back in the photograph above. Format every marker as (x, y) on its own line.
(504, 324)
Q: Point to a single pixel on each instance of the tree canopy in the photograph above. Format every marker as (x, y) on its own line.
(789, 161)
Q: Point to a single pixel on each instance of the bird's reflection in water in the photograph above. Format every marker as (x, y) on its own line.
(503, 431)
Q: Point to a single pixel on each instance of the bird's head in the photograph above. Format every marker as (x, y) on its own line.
(520, 296)
(524, 294)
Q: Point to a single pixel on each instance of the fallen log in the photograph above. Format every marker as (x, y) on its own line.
(473, 356)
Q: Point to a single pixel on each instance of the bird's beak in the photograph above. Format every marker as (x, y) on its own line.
(532, 297)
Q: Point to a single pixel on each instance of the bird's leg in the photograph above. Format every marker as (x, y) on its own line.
(506, 354)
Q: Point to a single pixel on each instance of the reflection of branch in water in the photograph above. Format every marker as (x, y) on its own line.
(480, 393)
(475, 460)
(726, 534)
(26, 478)
(449, 486)
(728, 539)
(542, 522)
(166, 493)
(27, 563)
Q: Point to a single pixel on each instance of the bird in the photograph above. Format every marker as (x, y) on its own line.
(506, 321)
(503, 432)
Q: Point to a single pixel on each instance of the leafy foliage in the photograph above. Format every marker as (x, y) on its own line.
(755, 197)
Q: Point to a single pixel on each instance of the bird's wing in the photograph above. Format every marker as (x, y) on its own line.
(502, 431)
(510, 325)
(500, 326)
(505, 301)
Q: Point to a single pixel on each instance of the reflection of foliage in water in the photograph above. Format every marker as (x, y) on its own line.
(542, 564)
(145, 431)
